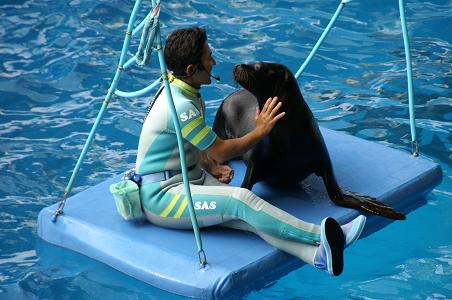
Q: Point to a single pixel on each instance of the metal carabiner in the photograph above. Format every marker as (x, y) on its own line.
(415, 148)
(60, 208)
(202, 258)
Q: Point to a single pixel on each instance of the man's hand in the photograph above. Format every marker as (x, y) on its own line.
(224, 150)
(223, 173)
(267, 118)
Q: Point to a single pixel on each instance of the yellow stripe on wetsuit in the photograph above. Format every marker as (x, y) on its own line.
(190, 126)
(202, 134)
(170, 206)
(181, 209)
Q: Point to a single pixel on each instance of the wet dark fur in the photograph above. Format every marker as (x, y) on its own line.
(295, 148)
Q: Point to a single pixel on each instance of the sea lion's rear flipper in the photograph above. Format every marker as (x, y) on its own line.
(357, 201)
(368, 204)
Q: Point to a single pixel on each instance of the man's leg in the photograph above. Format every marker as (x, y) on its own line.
(303, 251)
(216, 204)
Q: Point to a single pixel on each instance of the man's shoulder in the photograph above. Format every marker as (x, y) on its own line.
(187, 110)
(186, 107)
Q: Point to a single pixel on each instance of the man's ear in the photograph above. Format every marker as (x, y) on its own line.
(190, 70)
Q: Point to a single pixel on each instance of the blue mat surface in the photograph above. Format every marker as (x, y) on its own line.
(238, 261)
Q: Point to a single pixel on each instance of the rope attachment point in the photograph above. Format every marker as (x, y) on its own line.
(164, 75)
(148, 36)
(415, 148)
(60, 208)
(202, 258)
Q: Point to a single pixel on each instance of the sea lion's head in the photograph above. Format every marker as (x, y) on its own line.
(264, 79)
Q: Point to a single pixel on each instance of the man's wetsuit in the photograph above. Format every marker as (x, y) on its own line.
(215, 203)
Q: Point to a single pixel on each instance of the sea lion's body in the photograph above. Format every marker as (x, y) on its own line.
(295, 148)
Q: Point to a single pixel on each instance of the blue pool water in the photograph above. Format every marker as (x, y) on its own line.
(57, 59)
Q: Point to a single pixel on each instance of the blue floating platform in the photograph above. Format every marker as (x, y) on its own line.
(168, 259)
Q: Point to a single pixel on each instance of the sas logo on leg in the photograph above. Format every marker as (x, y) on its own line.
(203, 205)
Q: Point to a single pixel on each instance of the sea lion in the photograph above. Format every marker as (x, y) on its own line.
(295, 148)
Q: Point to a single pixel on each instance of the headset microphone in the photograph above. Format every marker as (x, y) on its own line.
(217, 78)
(202, 68)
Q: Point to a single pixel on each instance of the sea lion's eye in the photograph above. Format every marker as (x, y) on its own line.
(257, 67)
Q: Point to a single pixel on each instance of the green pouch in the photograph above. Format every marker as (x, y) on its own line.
(127, 198)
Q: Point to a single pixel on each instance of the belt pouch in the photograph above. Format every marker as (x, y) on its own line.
(127, 199)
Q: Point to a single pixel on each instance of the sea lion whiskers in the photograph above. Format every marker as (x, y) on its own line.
(251, 79)
(243, 77)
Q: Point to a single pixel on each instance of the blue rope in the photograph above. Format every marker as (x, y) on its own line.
(151, 33)
(107, 99)
(415, 144)
(148, 36)
(139, 92)
(406, 44)
(322, 37)
(191, 209)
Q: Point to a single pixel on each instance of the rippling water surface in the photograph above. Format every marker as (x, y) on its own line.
(57, 59)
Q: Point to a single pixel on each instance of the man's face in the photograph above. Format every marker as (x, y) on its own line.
(202, 75)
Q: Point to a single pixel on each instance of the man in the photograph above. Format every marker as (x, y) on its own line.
(189, 57)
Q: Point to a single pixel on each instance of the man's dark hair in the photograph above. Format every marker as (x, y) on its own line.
(184, 47)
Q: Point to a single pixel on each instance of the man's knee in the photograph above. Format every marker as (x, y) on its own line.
(249, 198)
(242, 193)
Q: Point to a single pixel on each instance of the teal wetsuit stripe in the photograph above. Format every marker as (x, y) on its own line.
(158, 154)
(269, 224)
(208, 138)
(229, 208)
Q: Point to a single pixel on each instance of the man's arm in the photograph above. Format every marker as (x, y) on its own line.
(224, 150)
(206, 161)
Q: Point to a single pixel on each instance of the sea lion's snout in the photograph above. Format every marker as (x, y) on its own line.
(238, 71)
(241, 74)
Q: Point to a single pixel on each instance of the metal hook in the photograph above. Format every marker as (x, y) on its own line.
(415, 148)
(60, 208)
(202, 258)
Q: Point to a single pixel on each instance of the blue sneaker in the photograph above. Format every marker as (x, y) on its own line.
(330, 255)
(353, 229)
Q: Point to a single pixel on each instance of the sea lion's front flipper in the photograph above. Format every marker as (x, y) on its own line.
(368, 204)
(247, 182)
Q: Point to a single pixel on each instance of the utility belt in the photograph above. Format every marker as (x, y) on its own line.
(141, 179)
(127, 191)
